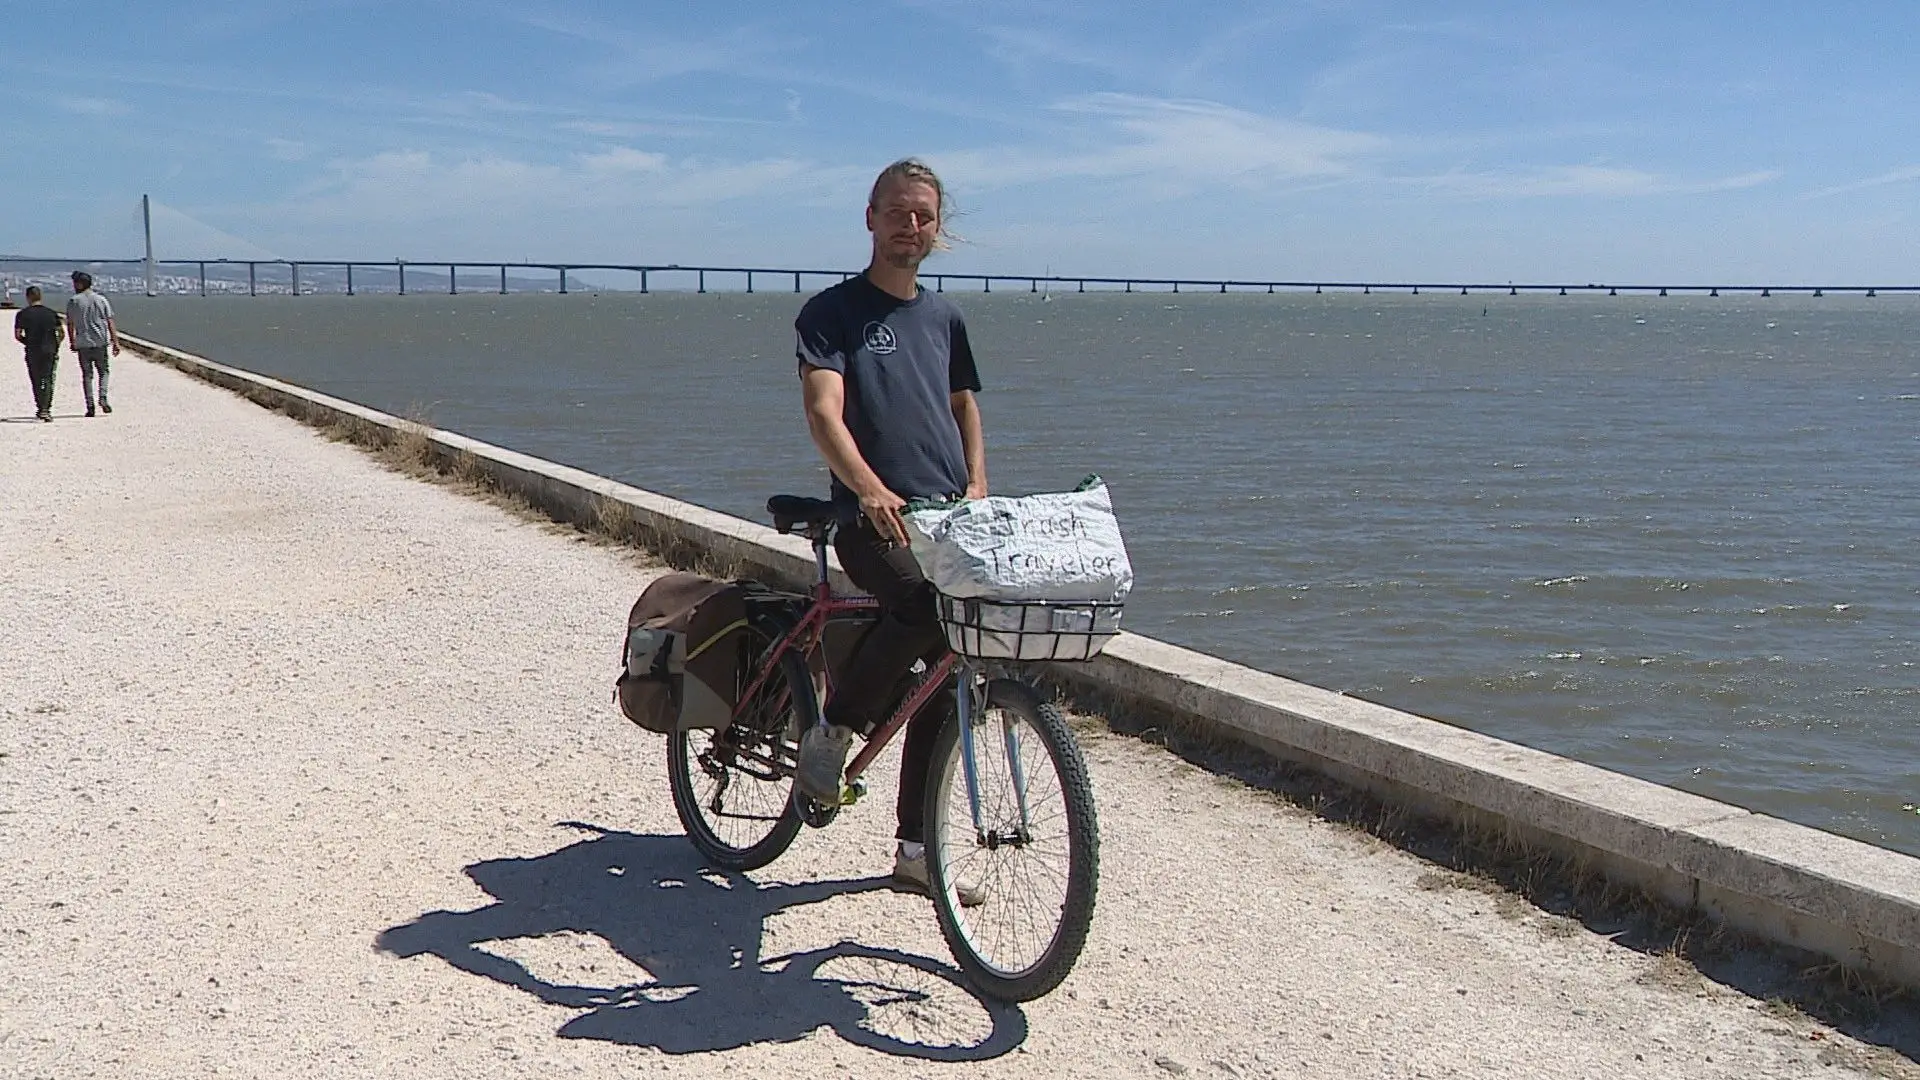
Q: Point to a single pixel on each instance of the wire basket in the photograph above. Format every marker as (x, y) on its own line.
(1028, 629)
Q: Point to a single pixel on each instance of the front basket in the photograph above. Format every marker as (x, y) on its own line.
(1028, 629)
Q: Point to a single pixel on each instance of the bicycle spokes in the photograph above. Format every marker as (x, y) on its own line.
(732, 786)
(1012, 844)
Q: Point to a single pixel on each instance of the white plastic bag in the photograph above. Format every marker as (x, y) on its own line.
(1054, 546)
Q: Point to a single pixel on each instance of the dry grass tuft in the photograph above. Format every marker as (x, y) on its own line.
(1671, 970)
(1507, 904)
(463, 466)
(1557, 926)
(1853, 983)
(1780, 1009)
(715, 565)
(615, 520)
(1453, 880)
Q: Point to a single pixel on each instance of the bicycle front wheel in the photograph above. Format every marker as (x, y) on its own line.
(732, 786)
(1010, 827)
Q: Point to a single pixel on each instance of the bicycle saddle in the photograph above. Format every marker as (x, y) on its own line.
(790, 511)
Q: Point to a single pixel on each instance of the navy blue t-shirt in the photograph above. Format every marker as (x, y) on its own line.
(901, 361)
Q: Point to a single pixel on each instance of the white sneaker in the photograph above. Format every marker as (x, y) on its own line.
(911, 874)
(823, 761)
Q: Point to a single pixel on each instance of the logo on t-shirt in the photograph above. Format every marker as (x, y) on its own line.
(879, 338)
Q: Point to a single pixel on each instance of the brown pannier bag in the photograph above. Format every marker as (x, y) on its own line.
(683, 656)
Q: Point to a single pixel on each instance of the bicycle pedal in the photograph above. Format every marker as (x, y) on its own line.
(852, 793)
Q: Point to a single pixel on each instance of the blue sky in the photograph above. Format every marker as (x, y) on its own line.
(1763, 141)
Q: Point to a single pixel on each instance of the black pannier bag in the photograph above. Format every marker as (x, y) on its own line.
(684, 654)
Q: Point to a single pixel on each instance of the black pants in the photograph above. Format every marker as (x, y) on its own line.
(40, 368)
(876, 675)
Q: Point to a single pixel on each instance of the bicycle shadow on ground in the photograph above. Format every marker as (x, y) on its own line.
(696, 935)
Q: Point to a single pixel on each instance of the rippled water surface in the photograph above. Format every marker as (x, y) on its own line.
(1674, 537)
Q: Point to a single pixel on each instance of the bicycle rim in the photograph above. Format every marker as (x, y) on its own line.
(735, 809)
(1037, 863)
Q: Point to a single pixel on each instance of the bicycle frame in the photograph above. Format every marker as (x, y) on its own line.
(936, 679)
(809, 632)
(806, 637)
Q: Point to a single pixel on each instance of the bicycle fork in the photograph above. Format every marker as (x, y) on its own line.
(968, 683)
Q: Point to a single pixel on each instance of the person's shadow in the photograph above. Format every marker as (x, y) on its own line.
(697, 933)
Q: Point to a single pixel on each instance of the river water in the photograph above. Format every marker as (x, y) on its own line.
(1670, 536)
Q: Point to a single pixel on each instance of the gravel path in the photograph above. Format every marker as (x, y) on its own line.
(309, 770)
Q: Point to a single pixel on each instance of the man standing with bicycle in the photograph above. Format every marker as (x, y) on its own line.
(888, 382)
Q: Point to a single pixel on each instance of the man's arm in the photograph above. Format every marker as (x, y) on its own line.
(973, 439)
(825, 394)
(19, 331)
(113, 332)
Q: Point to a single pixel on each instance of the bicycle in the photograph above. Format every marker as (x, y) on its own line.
(1007, 793)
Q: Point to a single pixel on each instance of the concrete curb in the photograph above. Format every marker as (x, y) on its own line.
(1849, 901)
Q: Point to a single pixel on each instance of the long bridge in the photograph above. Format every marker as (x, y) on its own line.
(307, 276)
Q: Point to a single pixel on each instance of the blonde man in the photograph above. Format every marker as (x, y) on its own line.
(888, 382)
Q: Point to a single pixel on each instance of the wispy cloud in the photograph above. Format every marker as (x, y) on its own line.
(640, 57)
(1588, 181)
(608, 204)
(1188, 142)
(1024, 45)
(479, 114)
(287, 149)
(94, 106)
(624, 129)
(420, 184)
(1731, 183)
(1903, 175)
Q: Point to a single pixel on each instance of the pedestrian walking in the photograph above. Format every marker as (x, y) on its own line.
(91, 333)
(38, 328)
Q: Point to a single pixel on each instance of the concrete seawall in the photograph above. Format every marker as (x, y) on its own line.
(1852, 902)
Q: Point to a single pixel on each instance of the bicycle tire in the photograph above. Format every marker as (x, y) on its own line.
(955, 850)
(695, 757)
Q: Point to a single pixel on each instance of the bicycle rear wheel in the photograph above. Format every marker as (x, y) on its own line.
(732, 786)
(1034, 849)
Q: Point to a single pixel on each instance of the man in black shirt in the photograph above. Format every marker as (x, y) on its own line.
(38, 328)
(889, 380)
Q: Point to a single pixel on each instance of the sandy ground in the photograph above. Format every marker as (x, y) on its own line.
(309, 770)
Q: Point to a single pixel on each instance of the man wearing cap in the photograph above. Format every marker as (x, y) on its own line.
(38, 328)
(90, 331)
